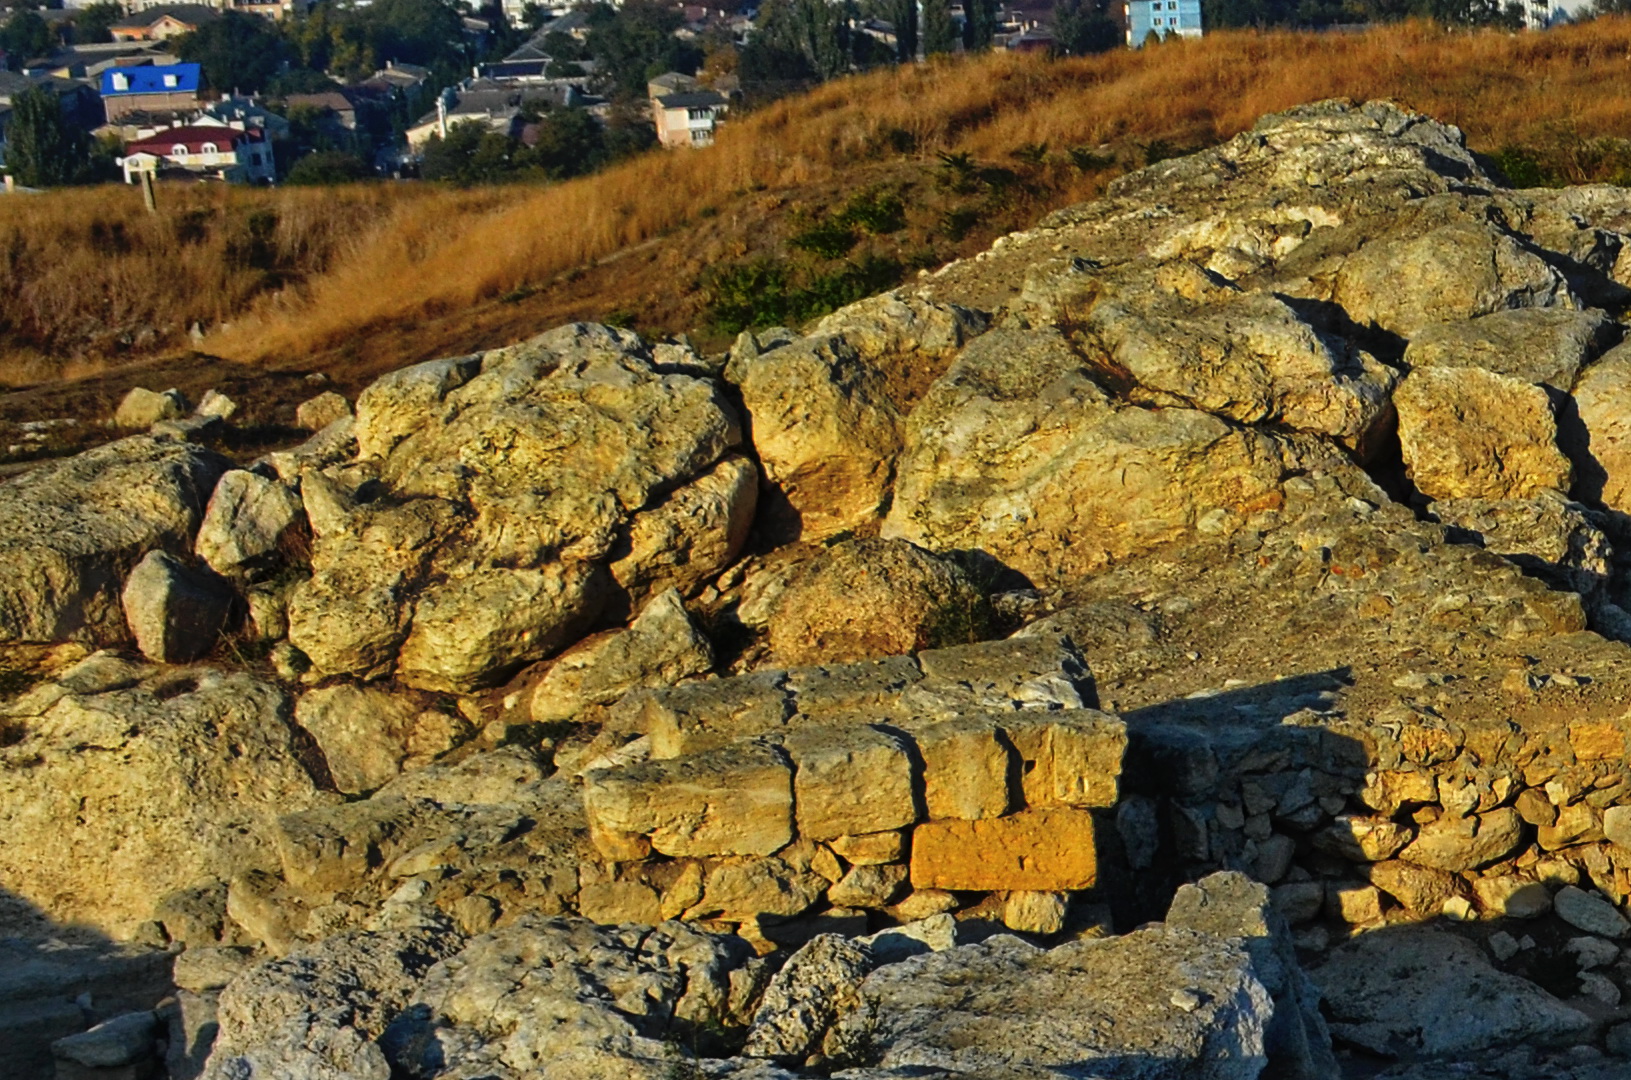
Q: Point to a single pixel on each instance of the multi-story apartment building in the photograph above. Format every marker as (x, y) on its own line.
(1164, 18)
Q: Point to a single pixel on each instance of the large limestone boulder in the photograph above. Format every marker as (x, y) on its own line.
(175, 612)
(1455, 271)
(683, 540)
(1470, 433)
(862, 599)
(1537, 345)
(247, 520)
(1016, 451)
(1546, 534)
(71, 531)
(1177, 335)
(659, 648)
(826, 433)
(620, 1002)
(315, 1014)
(141, 408)
(512, 478)
(110, 798)
(363, 733)
(1601, 447)
(1418, 992)
(1004, 1007)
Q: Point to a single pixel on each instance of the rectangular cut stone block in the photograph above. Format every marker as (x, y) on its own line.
(1036, 850)
(1045, 671)
(704, 716)
(1598, 740)
(733, 801)
(871, 686)
(851, 779)
(1069, 758)
(966, 766)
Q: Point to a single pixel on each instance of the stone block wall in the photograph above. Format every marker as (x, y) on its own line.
(884, 784)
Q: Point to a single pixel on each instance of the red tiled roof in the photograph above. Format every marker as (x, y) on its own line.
(193, 137)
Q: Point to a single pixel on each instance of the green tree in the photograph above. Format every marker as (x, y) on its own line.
(91, 24)
(569, 144)
(330, 167)
(236, 51)
(1081, 28)
(414, 31)
(979, 24)
(813, 30)
(902, 14)
(636, 42)
(41, 149)
(24, 36)
(939, 29)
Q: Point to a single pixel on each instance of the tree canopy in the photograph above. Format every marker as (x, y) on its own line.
(41, 149)
(237, 52)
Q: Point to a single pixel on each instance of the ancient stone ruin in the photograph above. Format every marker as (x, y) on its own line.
(1189, 640)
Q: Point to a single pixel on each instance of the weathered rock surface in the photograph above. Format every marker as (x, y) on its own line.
(141, 408)
(175, 612)
(826, 432)
(247, 519)
(1421, 992)
(818, 984)
(363, 733)
(1469, 433)
(661, 647)
(71, 531)
(862, 599)
(111, 799)
(319, 412)
(1541, 345)
(451, 581)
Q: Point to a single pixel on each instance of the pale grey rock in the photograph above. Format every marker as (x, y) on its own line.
(936, 933)
(247, 519)
(210, 967)
(1457, 844)
(319, 412)
(191, 1025)
(176, 613)
(363, 733)
(1004, 1007)
(1592, 952)
(1534, 344)
(1602, 449)
(661, 647)
(615, 999)
(123, 1040)
(819, 983)
(1418, 991)
(1589, 912)
(1458, 271)
(1471, 433)
(72, 530)
(142, 408)
(216, 404)
(868, 886)
(330, 447)
(130, 794)
(317, 1013)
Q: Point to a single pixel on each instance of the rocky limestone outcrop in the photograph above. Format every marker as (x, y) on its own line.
(72, 531)
(121, 782)
(505, 483)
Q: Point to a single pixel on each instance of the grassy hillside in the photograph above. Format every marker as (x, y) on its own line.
(805, 202)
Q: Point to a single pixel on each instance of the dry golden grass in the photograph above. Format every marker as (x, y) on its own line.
(352, 262)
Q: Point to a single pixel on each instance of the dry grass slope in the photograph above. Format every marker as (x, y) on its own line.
(334, 267)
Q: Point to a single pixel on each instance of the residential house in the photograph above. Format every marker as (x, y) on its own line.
(163, 22)
(201, 151)
(243, 114)
(335, 104)
(672, 82)
(574, 24)
(688, 119)
(1164, 18)
(160, 88)
(271, 9)
(492, 105)
(81, 107)
(89, 61)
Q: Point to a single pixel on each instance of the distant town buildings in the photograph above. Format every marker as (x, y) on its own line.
(158, 88)
(160, 23)
(236, 155)
(1163, 18)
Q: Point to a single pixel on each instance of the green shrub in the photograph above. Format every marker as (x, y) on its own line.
(876, 212)
(828, 239)
(1523, 168)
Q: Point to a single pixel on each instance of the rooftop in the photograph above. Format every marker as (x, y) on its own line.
(700, 99)
(192, 14)
(157, 79)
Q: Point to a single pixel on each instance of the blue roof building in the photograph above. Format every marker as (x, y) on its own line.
(1162, 17)
(153, 79)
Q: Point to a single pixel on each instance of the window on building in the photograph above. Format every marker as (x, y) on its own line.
(178, 150)
(211, 148)
(170, 82)
(121, 81)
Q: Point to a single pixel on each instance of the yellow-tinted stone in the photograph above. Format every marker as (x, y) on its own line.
(1038, 850)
